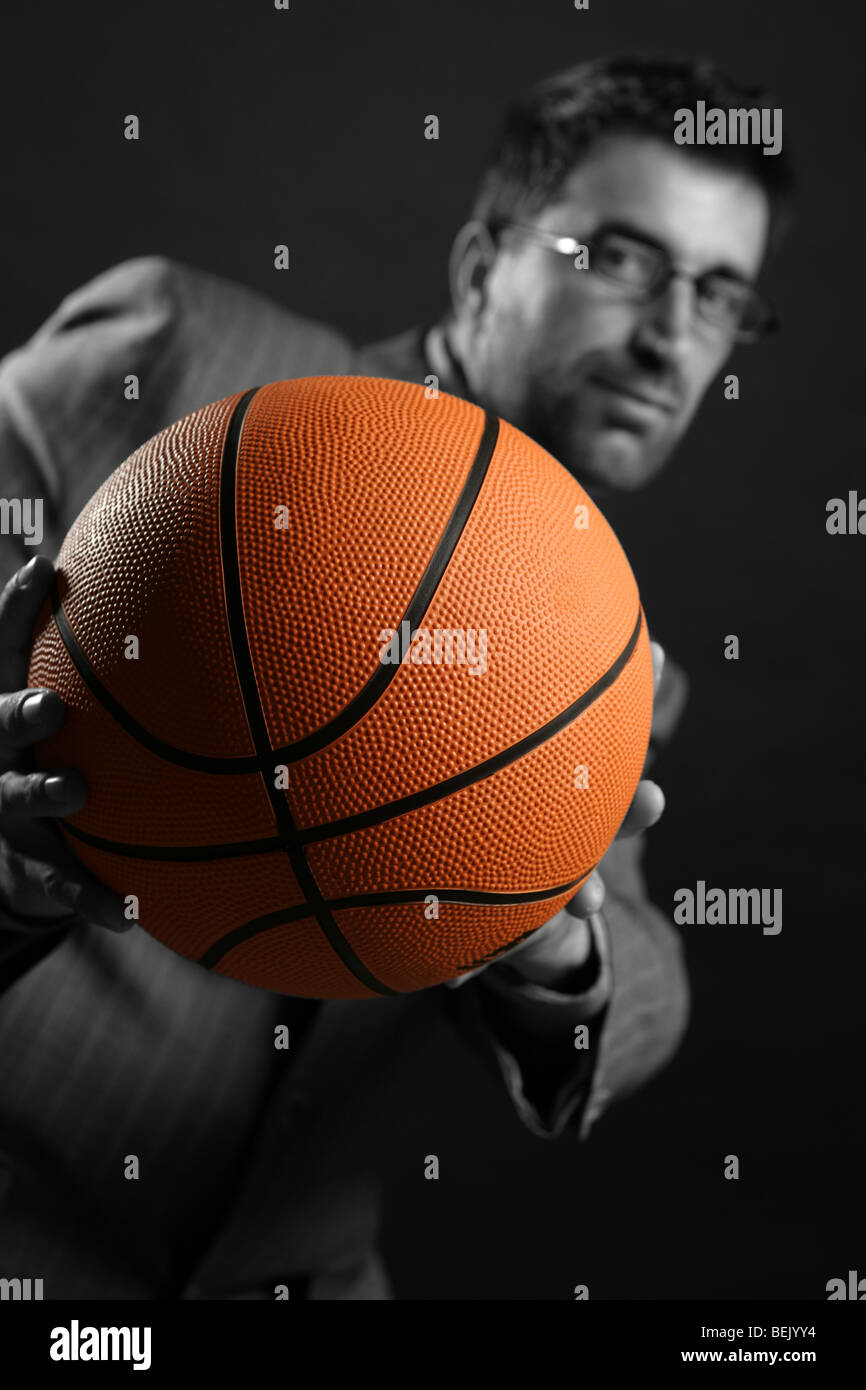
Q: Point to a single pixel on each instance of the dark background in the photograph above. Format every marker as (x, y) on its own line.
(307, 127)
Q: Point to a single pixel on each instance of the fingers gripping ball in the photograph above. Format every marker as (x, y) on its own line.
(359, 681)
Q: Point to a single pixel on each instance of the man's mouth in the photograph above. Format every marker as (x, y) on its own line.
(641, 395)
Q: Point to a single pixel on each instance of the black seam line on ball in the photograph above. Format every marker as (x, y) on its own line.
(196, 762)
(419, 603)
(366, 697)
(364, 819)
(178, 854)
(239, 848)
(249, 690)
(242, 849)
(238, 935)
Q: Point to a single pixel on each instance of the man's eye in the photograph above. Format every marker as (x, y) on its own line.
(628, 262)
(724, 295)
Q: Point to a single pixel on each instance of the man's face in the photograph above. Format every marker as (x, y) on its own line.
(606, 384)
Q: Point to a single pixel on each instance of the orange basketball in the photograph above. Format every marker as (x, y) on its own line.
(359, 680)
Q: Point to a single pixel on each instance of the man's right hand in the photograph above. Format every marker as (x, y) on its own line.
(43, 886)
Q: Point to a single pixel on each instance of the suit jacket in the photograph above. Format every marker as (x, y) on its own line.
(80, 1019)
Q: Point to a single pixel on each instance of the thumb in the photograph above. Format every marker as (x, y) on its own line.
(588, 898)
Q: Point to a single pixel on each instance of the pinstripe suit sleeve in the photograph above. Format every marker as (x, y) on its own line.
(635, 1011)
(187, 336)
(634, 1014)
(649, 1006)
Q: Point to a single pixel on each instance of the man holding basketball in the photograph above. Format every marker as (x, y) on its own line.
(605, 368)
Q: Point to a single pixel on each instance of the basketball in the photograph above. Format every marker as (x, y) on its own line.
(360, 682)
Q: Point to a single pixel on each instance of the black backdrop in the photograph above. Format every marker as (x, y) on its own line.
(306, 127)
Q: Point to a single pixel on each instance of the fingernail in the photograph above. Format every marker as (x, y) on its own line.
(55, 788)
(25, 575)
(31, 709)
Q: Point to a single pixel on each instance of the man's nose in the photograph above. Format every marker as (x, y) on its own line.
(665, 325)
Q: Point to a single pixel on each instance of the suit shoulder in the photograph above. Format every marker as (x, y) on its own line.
(240, 322)
(156, 304)
(151, 275)
(150, 284)
(144, 283)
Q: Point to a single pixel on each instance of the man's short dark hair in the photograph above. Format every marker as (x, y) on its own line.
(548, 130)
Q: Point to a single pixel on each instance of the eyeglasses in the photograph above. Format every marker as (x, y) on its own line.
(643, 271)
